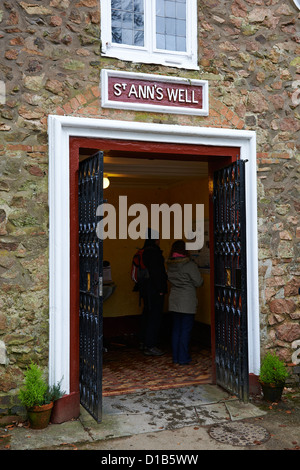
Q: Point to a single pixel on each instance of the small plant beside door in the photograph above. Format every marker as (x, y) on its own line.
(272, 377)
(38, 397)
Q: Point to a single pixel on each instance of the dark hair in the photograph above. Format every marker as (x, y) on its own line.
(179, 247)
(151, 241)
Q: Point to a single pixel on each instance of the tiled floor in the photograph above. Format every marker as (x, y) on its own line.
(126, 370)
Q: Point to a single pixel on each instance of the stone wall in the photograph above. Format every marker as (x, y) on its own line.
(249, 51)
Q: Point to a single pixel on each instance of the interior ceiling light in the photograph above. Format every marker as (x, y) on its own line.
(106, 182)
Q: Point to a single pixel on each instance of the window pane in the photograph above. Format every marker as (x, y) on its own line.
(139, 38)
(116, 4)
(180, 44)
(161, 41)
(127, 21)
(171, 43)
(139, 21)
(139, 6)
(116, 18)
(160, 7)
(180, 11)
(127, 37)
(180, 28)
(171, 25)
(117, 35)
(127, 5)
(170, 9)
(160, 25)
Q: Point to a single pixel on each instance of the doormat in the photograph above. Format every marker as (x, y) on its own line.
(128, 370)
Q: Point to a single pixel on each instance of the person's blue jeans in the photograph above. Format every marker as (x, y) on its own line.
(181, 335)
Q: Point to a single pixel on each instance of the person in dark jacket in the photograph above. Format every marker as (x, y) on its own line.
(185, 277)
(152, 292)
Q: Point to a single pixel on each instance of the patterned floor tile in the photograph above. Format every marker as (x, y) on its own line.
(127, 370)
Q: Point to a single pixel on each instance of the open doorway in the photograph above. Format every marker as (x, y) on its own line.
(149, 181)
(71, 136)
(155, 175)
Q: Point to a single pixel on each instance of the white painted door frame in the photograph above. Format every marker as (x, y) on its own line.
(60, 129)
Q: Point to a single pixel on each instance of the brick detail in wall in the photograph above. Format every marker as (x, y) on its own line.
(88, 104)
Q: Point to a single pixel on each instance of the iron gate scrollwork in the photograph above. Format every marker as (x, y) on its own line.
(230, 279)
(90, 196)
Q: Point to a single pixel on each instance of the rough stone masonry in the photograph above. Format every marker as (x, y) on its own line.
(249, 51)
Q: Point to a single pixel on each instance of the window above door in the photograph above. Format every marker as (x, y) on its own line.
(150, 31)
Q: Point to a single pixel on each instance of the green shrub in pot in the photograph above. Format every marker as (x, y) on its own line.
(37, 397)
(272, 376)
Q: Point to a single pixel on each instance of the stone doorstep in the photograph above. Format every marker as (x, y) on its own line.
(124, 425)
(238, 410)
(139, 414)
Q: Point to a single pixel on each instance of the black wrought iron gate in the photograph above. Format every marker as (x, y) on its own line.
(90, 265)
(231, 280)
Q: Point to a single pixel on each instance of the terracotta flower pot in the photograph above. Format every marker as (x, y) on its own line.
(39, 416)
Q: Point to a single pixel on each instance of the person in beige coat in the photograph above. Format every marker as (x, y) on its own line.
(184, 277)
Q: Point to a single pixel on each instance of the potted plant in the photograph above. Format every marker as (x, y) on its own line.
(272, 377)
(37, 397)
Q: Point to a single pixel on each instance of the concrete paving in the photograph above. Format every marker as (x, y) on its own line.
(174, 419)
(140, 413)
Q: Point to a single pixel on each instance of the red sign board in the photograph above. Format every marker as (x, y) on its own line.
(155, 93)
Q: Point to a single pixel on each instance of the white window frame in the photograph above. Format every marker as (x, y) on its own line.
(148, 53)
(297, 3)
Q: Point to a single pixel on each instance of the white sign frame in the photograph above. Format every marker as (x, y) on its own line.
(107, 103)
